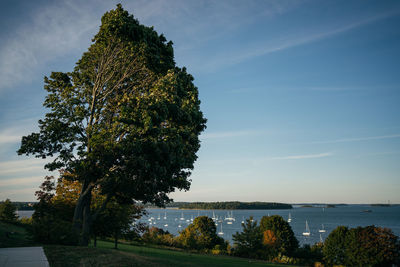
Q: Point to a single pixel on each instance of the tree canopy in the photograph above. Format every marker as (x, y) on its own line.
(201, 234)
(126, 120)
(280, 230)
(8, 211)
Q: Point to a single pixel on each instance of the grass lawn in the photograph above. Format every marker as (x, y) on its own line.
(132, 255)
(14, 236)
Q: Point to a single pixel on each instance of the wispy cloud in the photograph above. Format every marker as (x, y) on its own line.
(52, 31)
(13, 134)
(25, 181)
(230, 134)
(290, 41)
(28, 166)
(304, 156)
(357, 139)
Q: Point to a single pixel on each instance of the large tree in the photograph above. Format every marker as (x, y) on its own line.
(126, 120)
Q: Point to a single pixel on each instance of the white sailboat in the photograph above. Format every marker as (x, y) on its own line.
(307, 232)
(182, 218)
(290, 218)
(230, 217)
(165, 216)
(166, 225)
(320, 239)
(221, 233)
(322, 230)
(242, 219)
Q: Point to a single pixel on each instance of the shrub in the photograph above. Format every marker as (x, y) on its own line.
(200, 235)
(8, 211)
(158, 236)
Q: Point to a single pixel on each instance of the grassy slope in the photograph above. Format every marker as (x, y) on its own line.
(18, 236)
(131, 255)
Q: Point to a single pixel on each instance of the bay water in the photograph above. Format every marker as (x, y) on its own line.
(175, 220)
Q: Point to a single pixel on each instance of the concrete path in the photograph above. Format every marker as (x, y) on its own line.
(21, 257)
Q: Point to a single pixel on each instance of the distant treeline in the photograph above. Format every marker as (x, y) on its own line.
(231, 205)
(24, 205)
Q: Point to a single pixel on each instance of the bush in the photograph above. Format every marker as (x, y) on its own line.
(158, 236)
(51, 224)
(8, 212)
(200, 235)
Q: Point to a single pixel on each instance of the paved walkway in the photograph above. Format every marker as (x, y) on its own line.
(21, 257)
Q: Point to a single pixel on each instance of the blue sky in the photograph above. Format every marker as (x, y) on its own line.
(302, 97)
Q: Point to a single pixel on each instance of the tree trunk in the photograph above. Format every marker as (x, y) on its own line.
(81, 223)
(116, 241)
(87, 221)
(95, 241)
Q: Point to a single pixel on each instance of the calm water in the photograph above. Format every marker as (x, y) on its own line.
(351, 216)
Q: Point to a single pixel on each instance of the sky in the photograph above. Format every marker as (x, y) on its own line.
(302, 97)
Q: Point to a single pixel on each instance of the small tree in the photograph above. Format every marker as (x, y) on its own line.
(116, 220)
(201, 234)
(335, 246)
(248, 243)
(372, 246)
(51, 221)
(8, 211)
(285, 241)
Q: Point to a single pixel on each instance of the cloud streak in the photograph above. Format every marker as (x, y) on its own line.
(53, 31)
(25, 181)
(230, 134)
(304, 156)
(357, 139)
(21, 166)
(296, 39)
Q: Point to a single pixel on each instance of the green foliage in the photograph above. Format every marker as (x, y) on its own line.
(131, 115)
(200, 235)
(373, 246)
(8, 211)
(116, 221)
(15, 235)
(248, 243)
(362, 246)
(126, 120)
(51, 221)
(335, 246)
(232, 205)
(158, 236)
(307, 255)
(286, 242)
